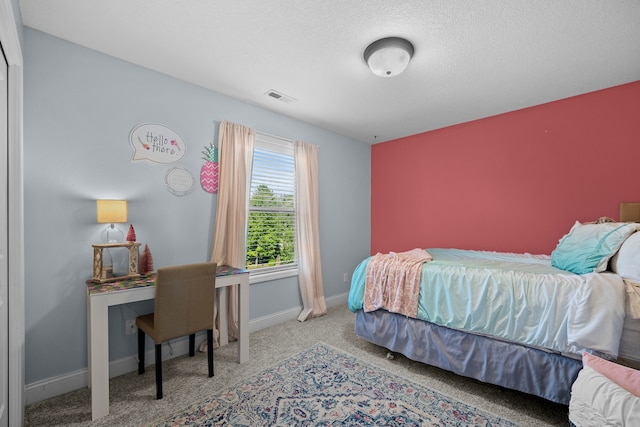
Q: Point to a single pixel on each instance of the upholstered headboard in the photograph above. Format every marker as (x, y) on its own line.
(629, 212)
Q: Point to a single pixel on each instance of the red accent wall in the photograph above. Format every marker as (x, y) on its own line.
(515, 182)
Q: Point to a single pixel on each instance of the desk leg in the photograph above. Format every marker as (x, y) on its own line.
(89, 341)
(223, 321)
(243, 320)
(98, 332)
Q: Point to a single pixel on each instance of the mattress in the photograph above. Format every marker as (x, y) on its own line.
(629, 353)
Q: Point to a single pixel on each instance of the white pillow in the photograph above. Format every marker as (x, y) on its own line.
(626, 262)
(597, 401)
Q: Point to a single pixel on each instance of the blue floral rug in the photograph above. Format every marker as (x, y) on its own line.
(323, 386)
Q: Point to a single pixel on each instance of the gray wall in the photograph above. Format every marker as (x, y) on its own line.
(80, 106)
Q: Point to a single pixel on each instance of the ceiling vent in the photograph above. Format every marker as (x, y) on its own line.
(279, 96)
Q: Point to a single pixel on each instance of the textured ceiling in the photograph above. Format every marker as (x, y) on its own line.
(472, 59)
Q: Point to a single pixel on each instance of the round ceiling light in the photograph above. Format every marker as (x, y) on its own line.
(388, 57)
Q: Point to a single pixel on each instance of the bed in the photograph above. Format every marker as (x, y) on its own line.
(519, 321)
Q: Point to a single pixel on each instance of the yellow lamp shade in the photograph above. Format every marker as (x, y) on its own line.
(110, 211)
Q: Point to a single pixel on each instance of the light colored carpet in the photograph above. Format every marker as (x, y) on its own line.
(132, 397)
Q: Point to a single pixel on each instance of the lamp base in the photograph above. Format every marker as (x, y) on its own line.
(112, 234)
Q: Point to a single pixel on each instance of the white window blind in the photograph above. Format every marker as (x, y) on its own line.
(272, 211)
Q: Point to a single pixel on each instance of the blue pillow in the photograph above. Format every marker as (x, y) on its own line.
(588, 247)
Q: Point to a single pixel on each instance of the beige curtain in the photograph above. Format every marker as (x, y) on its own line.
(235, 151)
(308, 231)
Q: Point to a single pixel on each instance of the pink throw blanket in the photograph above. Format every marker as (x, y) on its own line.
(393, 281)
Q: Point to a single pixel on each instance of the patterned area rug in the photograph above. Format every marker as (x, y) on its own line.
(323, 386)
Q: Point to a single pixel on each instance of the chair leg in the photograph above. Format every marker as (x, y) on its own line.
(158, 371)
(140, 351)
(192, 345)
(210, 350)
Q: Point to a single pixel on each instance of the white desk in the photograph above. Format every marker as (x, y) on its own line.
(101, 296)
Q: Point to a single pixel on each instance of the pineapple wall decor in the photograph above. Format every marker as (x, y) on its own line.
(156, 143)
(209, 170)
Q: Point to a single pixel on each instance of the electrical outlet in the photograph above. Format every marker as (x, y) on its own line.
(345, 277)
(131, 327)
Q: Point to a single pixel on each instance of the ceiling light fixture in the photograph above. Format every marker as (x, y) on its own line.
(388, 57)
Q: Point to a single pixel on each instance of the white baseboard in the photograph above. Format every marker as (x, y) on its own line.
(55, 386)
(290, 314)
(61, 384)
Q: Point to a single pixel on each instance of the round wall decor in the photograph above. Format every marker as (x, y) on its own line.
(178, 181)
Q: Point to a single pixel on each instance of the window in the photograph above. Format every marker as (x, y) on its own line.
(272, 212)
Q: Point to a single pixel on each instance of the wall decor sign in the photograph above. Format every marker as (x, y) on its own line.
(156, 143)
(209, 170)
(178, 181)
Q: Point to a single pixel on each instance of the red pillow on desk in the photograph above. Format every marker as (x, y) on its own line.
(627, 378)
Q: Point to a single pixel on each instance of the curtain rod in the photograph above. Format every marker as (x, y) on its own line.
(217, 122)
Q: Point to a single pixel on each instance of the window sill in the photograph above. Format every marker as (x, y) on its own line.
(259, 277)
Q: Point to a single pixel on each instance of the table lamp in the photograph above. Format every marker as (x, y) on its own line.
(111, 212)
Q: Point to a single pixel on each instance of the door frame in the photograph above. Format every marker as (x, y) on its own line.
(11, 46)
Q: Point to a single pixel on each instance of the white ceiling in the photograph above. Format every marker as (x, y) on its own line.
(472, 59)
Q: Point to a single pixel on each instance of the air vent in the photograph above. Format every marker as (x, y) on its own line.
(279, 96)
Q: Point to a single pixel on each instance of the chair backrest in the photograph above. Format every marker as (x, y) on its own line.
(184, 300)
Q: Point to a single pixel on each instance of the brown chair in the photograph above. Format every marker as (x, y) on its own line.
(183, 306)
